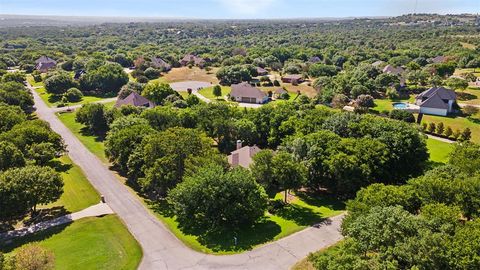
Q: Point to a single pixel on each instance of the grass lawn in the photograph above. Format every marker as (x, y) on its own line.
(90, 243)
(469, 96)
(439, 150)
(208, 92)
(92, 142)
(455, 123)
(190, 74)
(78, 193)
(387, 104)
(460, 71)
(183, 94)
(302, 212)
(53, 101)
(306, 264)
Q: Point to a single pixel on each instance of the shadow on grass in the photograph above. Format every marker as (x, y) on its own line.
(12, 244)
(320, 200)
(100, 137)
(248, 237)
(465, 96)
(59, 166)
(27, 219)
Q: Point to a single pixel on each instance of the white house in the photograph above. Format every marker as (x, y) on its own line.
(436, 101)
(244, 92)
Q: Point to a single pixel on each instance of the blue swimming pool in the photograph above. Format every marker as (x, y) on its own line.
(400, 106)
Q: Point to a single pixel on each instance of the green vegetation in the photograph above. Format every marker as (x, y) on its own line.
(457, 123)
(439, 151)
(90, 243)
(208, 92)
(53, 101)
(93, 143)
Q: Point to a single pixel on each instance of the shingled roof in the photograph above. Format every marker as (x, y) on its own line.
(158, 62)
(45, 59)
(136, 100)
(246, 90)
(244, 156)
(436, 97)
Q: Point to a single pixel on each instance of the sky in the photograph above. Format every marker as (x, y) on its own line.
(236, 9)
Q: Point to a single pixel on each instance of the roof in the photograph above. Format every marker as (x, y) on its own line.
(280, 91)
(246, 90)
(438, 59)
(46, 65)
(136, 100)
(261, 70)
(393, 70)
(314, 59)
(378, 63)
(435, 98)
(243, 156)
(293, 76)
(434, 102)
(45, 59)
(193, 58)
(160, 63)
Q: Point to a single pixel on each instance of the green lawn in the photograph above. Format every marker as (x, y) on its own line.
(93, 143)
(90, 243)
(455, 123)
(387, 104)
(439, 151)
(183, 94)
(469, 96)
(78, 193)
(303, 212)
(208, 92)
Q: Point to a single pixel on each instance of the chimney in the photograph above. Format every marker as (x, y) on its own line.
(239, 144)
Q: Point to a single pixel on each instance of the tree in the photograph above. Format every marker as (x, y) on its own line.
(129, 88)
(30, 186)
(448, 132)
(431, 128)
(233, 74)
(289, 173)
(33, 257)
(108, 78)
(364, 101)
(213, 199)
(18, 77)
(466, 135)
(262, 170)
(158, 92)
(445, 69)
(440, 129)
(10, 156)
(42, 153)
(457, 83)
(10, 116)
(470, 110)
(217, 91)
(16, 94)
(192, 100)
(466, 156)
(152, 73)
(339, 101)
(319, 70)
(73, 95)
(93, 116)
(59, 83)
(402, 115)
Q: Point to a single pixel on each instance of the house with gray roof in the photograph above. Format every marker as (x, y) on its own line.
(261, 71)
(246, 93)
(389, 69)
(194, 60)
(45, 63)
(243, 156)
(436, 101)
(159, 63)
(136, 100)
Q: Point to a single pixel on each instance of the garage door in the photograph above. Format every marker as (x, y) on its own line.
(249, 100)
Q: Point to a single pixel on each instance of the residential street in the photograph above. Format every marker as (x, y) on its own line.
(161, 249)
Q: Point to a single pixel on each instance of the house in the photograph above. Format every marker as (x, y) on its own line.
(293, 78)
(243, 156)
(393, 70)
(136, 100)
(246, 93)
(378, 64)
(261, 71)
(78, 74)
(159, 63)
(44, 63)
(437, 60)
(314, 60)
(192, 59)
(436, 101)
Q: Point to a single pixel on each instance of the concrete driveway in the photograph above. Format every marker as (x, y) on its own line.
(161, 249)
(194, 85)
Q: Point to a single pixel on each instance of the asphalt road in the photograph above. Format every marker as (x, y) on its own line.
(161, 249)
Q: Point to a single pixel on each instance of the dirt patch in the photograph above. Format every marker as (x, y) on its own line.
(191, 74)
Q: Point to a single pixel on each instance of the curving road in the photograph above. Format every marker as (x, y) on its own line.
(161, 249)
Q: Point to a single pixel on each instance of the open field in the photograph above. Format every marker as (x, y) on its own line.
(208, 92)
(92, 142)
(190, 74)
(439, 151)
(90, 243)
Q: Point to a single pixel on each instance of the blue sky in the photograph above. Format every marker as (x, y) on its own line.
(216, 9)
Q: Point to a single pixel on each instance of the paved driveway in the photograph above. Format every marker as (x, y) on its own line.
(194, 85)
(161, 249)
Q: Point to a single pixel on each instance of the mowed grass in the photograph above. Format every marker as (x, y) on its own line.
(208, 92)
(93, 143)
(302, 212)
(387, 104)
(190, 74)
(439, 151)
(78, 193)
(469, 96)
(455, 123)
(89, 243)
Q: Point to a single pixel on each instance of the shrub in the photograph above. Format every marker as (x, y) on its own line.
(470, 110)
(276, 83)
(440, 128)
(431, 128)
(152, 73)
(73, 95)
(402, 115)
(448, 132)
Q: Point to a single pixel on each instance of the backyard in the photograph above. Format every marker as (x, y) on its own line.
(89, 243)
(439, 151)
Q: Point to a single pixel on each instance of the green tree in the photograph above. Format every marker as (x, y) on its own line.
(73, 95)
(448, 132)
(466, 157)
(289, 173)
(33, 257)
(217, 91)
(16, 94)
(262, 170)
(431, 128)
(158, 92)
(402, 115)
(440, 128)
(108, 78)
(10, 156)
(93, 116)
(457, 83)
(213, 199)
(466, 135)
(59, 83)
(18, 77)
(10, 116)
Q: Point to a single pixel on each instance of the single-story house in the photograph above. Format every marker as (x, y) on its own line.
(243, 156)
(393, 70)
(378, 64)
(438, 59)
(192, 59)
(136, 100)
(314, 60)
(44, 63)
(246, 93)
(261, 71)
(159, 63)
(293, 78)
(436, 101)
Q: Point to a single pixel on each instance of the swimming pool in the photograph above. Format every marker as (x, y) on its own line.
(400, 106)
